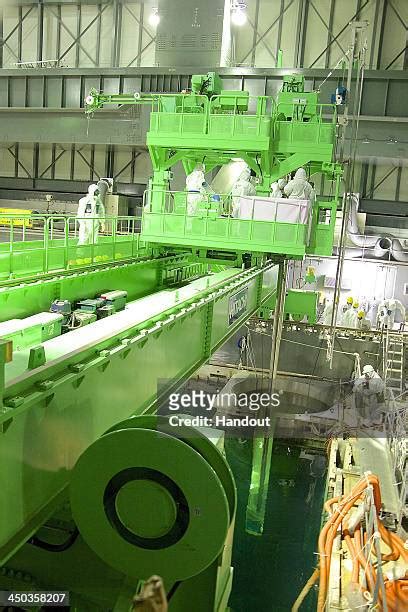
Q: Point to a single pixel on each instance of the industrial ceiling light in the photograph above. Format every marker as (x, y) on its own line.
(154, 18)
(238, 13)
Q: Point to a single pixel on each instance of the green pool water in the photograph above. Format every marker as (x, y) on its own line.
(270, 570)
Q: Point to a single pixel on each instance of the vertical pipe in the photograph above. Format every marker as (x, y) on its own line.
(140, 37)
(36, 156)
(330, 33)
(40, 31)
(92, 164)
(382, 31)
(53, 150)
(20, 34)
(279, 37)
(58, 40)
(16, 149)
(254, 43)
(78, 35)
(98, 36)
(398, 185)
(1, 35)
(72, 165)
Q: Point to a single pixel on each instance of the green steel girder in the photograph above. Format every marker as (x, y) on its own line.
(138, 278)
(51, 414)
(289, 164)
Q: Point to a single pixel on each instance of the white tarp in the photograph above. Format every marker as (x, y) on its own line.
(287, 210)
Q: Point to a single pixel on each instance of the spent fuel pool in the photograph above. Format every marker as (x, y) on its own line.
(270, 570)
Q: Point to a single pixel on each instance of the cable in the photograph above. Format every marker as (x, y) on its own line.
(332, 70)
(302, 595)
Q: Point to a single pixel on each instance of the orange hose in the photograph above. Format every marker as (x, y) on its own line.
(302, 595)
(396, 591)
(328, 533)
(354, 558)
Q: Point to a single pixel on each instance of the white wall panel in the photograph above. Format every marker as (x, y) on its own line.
(301, 25)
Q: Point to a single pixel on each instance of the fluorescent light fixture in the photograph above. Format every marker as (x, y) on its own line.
(238, 13)
(154, 18)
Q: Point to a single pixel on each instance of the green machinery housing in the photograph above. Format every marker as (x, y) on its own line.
(81, 443)
(212, 125)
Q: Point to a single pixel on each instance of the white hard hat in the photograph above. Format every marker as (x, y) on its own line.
(92, 188)
(368, 369)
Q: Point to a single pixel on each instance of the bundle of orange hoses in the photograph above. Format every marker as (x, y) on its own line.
(396, 590)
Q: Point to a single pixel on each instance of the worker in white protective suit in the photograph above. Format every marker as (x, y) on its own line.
(277, 188)
(327, 313)
(196, 192)
(367, 394)
(299, 187)
(387, 311)
(345, 307)
(350, 317)
(363, 322)
(242, 187)
(91, 216)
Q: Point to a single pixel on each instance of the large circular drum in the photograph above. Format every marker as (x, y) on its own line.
(149, 498)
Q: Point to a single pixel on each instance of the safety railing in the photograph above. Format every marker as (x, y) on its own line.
(194, 218)
(179, 114)
(40, 244)
(306, 123)
(229, 114)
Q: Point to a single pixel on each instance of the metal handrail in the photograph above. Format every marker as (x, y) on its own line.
(207, 201)
(320, 107)
(54, 245)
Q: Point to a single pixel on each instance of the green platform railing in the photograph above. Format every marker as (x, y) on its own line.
(165, 221)
(319, 127)
(40, 244)
(221, 115)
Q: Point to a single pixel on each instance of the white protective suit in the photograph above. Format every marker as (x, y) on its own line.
(91, 214)
(366, 391)
(299, 186)
(350, 318)
(195, 188)
(277, 188)
(327, 313)
(387, 311)
(363, 322)
(242, 187)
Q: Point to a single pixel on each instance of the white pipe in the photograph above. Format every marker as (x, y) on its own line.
(353, 232)
(382, 248)
(397, 251)
(373, 246)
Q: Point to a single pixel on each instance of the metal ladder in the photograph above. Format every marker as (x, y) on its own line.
(393, 351)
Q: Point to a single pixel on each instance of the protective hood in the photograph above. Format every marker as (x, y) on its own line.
(245, 174)
(92, 189)
(300, 174)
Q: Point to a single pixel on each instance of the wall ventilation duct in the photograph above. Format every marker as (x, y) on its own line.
(378, 247)
(191, 34)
